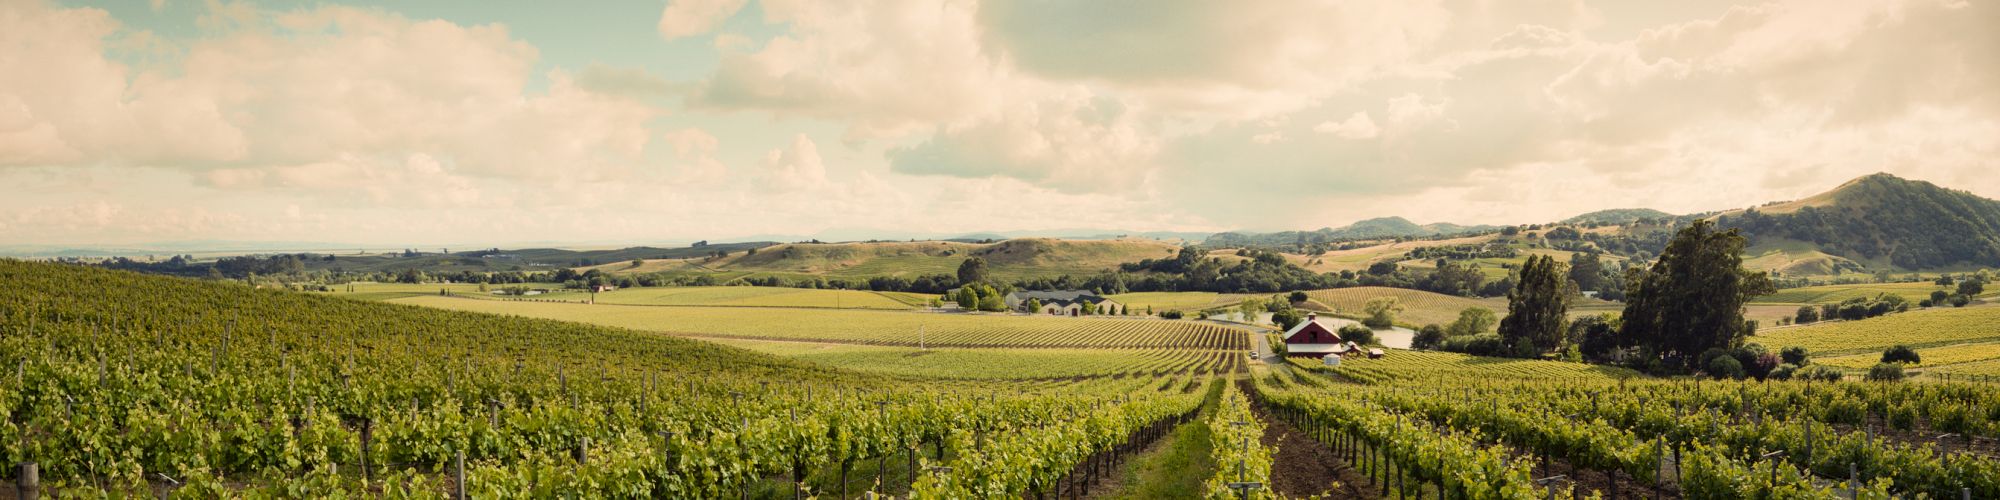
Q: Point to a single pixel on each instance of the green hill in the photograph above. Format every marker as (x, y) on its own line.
(1885, 222)
(1005, 260)
(1618, 216)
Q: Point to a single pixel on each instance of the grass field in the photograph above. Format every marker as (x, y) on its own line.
(1795, 259)
(1418, 366)
(1835, 293)
(1420, 307)
(870, 327)
(753, 296)
(1920, 328)
(954, 363)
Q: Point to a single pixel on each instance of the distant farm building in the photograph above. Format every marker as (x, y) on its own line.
(1060, 302)
(1312, 339)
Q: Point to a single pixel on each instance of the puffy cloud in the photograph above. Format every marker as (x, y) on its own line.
(795, 167)
(1356, 126)
(302, 87)
(684, 18)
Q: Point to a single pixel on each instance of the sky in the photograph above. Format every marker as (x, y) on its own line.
(409, 123)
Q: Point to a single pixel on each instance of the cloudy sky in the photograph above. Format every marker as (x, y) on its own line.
(489, 122)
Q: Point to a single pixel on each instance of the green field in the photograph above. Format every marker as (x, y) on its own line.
(955, 363)
(1918, 328)
(870, 327)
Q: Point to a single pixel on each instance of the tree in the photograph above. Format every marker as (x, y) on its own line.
(1287, 318)
(1901, 354)
(990, 299)
(1034, 305)
(1250, 308)
(1381, 312)
(1725, 367)
(1086, 308)
(1885, 372)
(1795, 356)
(1691, 299)
(1382, 268)
(1298, 297)
(1537, 307)
(1960, 300)
(971, 271)
(1971, 287)
(1359, 335)
(1430, 336)
(1471, 321)
(968, 299)
(1586, 270)
(1806, 314)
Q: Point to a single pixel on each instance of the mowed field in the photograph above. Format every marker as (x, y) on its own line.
(870, 327)
(754, 296)
(1420, 307)
(996, 363)
(1942, 335)
(1177, 301)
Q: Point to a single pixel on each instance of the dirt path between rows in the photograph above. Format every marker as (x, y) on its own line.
(1304, 466)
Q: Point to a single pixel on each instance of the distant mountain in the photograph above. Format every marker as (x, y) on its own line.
(1383, 227)
(1883, 219)
(1618, 216)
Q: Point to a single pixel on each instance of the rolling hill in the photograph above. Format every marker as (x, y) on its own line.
(1884, 222)
(1383, 227)
(1006, 260)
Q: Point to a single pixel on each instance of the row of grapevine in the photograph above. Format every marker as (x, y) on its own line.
(1243, 463)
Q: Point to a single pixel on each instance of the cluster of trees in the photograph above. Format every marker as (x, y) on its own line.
(1535, 323)
(1852, 309)
(227, 267)
(1464, 252)
(1190, 270)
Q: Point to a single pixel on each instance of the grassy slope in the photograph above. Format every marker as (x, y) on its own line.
(1006, 260)
(1836, 293)
(1420, 307)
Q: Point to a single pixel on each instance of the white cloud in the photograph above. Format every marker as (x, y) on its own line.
(1356, 126)
(684, 18)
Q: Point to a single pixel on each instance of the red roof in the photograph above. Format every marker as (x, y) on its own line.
(1311, 332)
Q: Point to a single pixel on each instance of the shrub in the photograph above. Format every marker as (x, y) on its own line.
(1806, 314)
(1485, 344)
(1795, 355)
(1903, 416)
(1848, 411)
(1725, 367)
(1429, 337)
(1960, 300)
(1170, 314)
(1901, 354)
(1820, 373)
(1360, 335)
(1886, 372)
(1783, 371)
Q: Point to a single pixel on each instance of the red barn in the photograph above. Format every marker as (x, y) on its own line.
(1310, 339)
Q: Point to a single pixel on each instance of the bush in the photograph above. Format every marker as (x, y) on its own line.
(1485, 344)
(1360, 335)
(1886, 372)
(1901, 354)
(1287, 318)
(1960, 300)
(1429, 337)
(1806, 314)
(1795, 355)
(1783, 371)
(1821, 373)
(1170, 314)
(1725, 367)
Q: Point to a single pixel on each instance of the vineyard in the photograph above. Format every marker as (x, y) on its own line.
(872, 327)
(127, 385)
(1423, 367)
(1921, 328)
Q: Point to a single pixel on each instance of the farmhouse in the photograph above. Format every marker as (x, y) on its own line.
(1060, 302)
(1311, 339)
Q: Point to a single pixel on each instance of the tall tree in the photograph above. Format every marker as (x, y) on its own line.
(1586, 271)
(1691, 299)
(972, 271)
(1536, 307)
